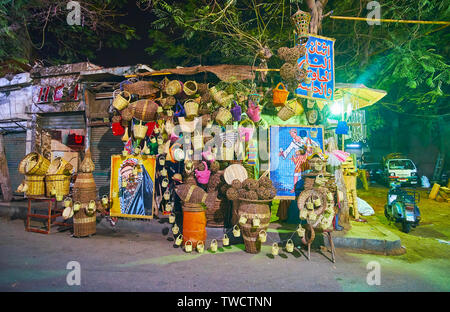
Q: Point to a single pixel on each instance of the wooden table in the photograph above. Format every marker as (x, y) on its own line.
(53, 212)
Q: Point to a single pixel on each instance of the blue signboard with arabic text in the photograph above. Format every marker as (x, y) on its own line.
(320, 59)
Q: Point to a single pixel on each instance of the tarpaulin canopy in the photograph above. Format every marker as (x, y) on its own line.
(358, 94)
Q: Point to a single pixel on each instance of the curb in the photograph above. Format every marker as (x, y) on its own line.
(162, 226)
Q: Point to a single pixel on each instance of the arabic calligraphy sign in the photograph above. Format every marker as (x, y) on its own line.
(320, 59)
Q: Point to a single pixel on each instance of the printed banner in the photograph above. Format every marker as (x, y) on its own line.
(289, 148)
(132, 186)
(320, 59)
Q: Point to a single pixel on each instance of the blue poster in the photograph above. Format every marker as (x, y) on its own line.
(290, 146)
(320, 59)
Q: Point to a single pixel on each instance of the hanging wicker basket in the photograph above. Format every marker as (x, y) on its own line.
(174, 87)
(300, 21)
(224, 116)
(140, 131)
(145, 110)
(286, 113)
(191, 109)
(190, 87)
(280, 95)
(141, 88)
(121, 99)
(60, 166)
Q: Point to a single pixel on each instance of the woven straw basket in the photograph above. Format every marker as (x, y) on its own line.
(141, 88)
(145, 110)
(34, 164)
(280, 95)
(286, 113)
(301, 20)
(83, 225)
(60, 183)
(140, 131)
(174, 87)
(190, 87)
(120, 102)
(233, 172)
(223, 116)
(36, 185)
(191, 108)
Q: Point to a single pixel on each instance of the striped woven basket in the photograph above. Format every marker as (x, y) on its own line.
(34, 164)
(36, 185)
(59, 183)
(83, 225)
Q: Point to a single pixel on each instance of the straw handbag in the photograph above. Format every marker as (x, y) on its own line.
(174, 87)
(190, 87)
(191, 108)
(286, 113)
(140, 131)
(120, 102)
(280, 95)
(224, 116)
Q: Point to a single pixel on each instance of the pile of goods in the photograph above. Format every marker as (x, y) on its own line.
(45, 178)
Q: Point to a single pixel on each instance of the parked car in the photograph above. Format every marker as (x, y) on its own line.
(374, 172)
(400, 170)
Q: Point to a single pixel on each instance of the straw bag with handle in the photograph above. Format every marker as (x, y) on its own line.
(140, 131)
(224, 116)
(121, 99)
(190, 87)
(191, 108)
(280, 95)
(174, 87)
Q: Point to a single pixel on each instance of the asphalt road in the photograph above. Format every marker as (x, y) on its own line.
(129, 261)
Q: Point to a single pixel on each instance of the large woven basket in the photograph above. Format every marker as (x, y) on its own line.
(36, 185)
(300, 20)
(251, 209)
(145, 110)
(141, 88)
(34, 164)
(215, 217)
(60, 183)
(121, 99)
(286, 113)
(84, 189)
(83, 225)
(224, 116)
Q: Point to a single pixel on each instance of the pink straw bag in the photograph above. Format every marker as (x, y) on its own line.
(203, 176)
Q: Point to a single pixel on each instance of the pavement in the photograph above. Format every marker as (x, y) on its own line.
(141, 256)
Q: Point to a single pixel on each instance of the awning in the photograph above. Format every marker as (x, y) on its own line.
(358, 94)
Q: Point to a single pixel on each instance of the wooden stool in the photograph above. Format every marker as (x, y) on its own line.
(311, 239)
(52, 213)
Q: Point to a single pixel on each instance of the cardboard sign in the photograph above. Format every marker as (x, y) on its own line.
(320, 58)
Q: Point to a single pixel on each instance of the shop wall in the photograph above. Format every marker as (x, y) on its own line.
(15, 145)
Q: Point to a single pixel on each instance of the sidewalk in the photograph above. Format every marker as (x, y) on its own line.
(367, 237)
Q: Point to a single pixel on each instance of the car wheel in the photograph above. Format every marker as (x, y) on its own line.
(406, 227)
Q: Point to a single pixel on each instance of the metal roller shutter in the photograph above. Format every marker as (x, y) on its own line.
(15, 149)
(67, 120)
(103, 144)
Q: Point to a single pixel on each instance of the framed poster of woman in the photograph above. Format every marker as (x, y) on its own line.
(132, 186)
(289, 148)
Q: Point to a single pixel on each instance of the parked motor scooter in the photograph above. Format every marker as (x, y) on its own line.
(402, 207)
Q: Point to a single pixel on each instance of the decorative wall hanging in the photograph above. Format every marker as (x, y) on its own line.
(132, 190)
(289, 147)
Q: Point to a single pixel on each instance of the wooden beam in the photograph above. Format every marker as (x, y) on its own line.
(5, 181)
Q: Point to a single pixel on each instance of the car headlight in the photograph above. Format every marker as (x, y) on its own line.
(413, 174)
(392, 174)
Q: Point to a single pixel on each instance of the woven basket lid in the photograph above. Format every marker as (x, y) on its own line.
(234, 172)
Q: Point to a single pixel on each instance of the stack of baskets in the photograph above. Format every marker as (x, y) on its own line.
(34, 166)
(57, 179)
(84, 192)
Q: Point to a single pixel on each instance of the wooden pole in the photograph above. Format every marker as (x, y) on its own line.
(5, 181)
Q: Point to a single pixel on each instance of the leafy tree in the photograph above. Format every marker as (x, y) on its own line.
(37, 31)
